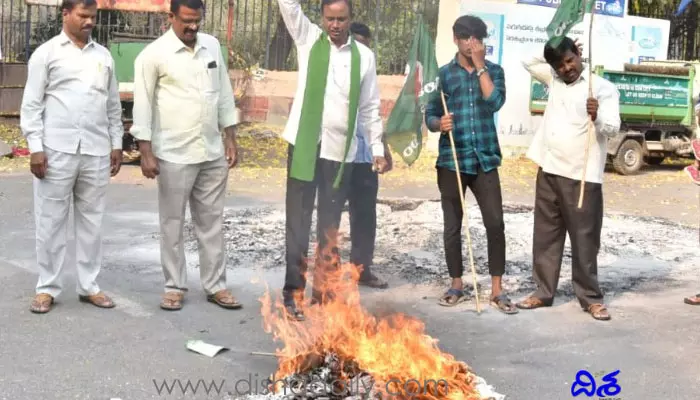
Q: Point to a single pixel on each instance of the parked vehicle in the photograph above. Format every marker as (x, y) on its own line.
(656, 110)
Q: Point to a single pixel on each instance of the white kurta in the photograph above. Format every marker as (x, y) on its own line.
(71, 111)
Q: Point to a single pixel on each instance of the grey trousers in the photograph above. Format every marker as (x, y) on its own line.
(556, 214)
(204, 186)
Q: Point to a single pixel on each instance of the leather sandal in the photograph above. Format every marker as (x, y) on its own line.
(98, 299)
(42, 303)
(599, 312)
(531, 303)
(172, 301)
(373, 281)
(225, 299)
(693, 300)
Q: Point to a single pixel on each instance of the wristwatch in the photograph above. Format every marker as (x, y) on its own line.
(481, 71)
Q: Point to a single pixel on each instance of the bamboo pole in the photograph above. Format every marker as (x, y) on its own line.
(590, 119)
(464, 208)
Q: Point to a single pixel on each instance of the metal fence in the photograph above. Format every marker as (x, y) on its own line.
(24, 27)
(260, 37)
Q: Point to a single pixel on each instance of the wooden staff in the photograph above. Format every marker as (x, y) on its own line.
(464, 208)
(591, 128)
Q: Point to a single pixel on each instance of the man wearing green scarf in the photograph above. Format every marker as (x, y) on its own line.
(337, 91)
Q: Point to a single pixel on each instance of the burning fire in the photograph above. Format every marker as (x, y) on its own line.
(402, 360)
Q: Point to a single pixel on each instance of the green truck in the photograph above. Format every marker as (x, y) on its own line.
(124, 49)
(656, 110)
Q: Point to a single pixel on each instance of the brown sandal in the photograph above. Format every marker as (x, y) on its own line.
(98, 299)
(693, 300)
(531, 303)
(172, 301)
(599, 312)
(225, 299)
(41, 304)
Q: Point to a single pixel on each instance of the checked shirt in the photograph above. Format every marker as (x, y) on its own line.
(474, 129)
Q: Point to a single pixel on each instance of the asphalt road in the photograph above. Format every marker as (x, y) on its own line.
(78, 351)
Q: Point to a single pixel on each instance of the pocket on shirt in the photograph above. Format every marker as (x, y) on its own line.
(102, 76)
(212, 77)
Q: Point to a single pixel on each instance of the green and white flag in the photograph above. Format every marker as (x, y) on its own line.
(569, 13)
(405, 124)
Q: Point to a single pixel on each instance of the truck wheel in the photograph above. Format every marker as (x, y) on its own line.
(629, 157)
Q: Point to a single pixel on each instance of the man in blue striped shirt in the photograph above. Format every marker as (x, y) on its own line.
(362, 196)
(474, 90)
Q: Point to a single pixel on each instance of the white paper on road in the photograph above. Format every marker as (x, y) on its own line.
(205, 348)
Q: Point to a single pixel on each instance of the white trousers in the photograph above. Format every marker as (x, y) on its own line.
(82, 180)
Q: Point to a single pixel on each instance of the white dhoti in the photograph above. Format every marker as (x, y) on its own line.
(82, 179)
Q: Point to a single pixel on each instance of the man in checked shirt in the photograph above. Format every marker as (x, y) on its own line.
(475, 90)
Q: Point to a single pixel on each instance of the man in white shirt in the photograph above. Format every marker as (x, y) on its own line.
(336, 93)
(558, 148)
(183, 99)
(71, 118)
(362, 194)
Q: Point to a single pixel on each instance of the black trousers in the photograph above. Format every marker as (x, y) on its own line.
(556, 213)
(486, 187)
(362, 199)
(299, 203)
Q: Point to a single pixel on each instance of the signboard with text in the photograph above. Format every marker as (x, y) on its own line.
(613, 8)
(156, 6)
(635, 90)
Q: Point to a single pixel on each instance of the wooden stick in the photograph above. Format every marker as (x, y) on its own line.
(590, 119)
(262, 353)
(464, 208)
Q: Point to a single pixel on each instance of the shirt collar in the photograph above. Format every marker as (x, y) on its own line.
(176, 44)
(346, 44)
(63, 39)
(583, 77)
(455, 63)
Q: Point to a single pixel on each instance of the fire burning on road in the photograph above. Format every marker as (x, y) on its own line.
(342, 351)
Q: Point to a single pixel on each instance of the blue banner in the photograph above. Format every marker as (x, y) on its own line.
(613, 8)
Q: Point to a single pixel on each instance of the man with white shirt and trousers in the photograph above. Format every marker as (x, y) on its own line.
(558, 147)
(337, 92)
(71, 118)
(183, 99)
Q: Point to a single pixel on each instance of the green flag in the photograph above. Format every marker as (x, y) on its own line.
(405, 124)
(569, 13)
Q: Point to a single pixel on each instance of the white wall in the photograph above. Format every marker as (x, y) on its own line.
(519, 30)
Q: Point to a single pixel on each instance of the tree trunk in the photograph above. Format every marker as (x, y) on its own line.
(280, 47)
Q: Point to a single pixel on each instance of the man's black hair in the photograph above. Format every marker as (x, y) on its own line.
(358, 28)
(468, 26)
(69, 5)
(325, 3)
(193, 4)
(554, 55)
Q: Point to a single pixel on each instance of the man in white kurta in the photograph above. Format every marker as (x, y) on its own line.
(183, 99)
(559, 148)
(71, 118)
(330, 161)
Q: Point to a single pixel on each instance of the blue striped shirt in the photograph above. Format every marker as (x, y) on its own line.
(474, 129)
(364, 153)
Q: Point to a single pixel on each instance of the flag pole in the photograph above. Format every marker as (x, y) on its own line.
(464, 208)
(590, 94)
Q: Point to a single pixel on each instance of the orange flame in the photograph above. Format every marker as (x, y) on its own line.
(402, 359)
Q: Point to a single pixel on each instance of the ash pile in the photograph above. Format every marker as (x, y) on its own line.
(635, 251)
(325, 381)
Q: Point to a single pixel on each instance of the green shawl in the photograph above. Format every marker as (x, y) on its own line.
(303, 164)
